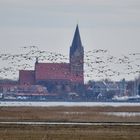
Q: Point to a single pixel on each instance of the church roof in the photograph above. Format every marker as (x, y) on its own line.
(76, 41)
(52, 71)
(26, 76)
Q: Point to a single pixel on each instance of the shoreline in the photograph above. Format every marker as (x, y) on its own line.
(65, 104)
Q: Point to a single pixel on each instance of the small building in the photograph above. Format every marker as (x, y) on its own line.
(137, 86)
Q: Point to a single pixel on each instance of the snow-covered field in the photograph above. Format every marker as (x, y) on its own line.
(67, 104)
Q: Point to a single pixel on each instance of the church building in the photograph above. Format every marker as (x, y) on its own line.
(72, 72)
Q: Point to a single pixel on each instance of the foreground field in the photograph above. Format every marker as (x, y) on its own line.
(68, 132)
(74, 114)
(73, 132)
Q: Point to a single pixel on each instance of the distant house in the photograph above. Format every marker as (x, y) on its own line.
(109, 87)
(8, 86)
(46, 73)
(122, 85)
(99, 87)
(5, 88)
(137, 86)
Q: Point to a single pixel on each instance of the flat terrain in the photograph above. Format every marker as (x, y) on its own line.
(61, 132)
(74, 114)
(68, 132)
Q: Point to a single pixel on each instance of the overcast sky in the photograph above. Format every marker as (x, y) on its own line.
(50, 24)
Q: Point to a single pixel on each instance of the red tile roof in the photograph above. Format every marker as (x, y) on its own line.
(26, 77)
(50, 71)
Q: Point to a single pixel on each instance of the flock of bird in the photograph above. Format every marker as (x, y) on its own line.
(97, 63)
(104, 65)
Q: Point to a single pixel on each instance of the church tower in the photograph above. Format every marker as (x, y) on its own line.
(77, 55)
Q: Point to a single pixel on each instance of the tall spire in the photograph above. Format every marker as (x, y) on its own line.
(76, 43)
(77, 56)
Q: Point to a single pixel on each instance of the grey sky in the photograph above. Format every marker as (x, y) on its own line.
(50, 24)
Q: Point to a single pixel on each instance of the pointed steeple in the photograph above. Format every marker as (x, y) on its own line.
(76, 43)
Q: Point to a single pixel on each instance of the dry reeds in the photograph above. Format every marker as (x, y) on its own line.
(82, 114)
(60, 132)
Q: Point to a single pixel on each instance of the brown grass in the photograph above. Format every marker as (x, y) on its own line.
(63, 132)
(60, 132)
(85, 114)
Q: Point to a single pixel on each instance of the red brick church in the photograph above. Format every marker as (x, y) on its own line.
(72, 72)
